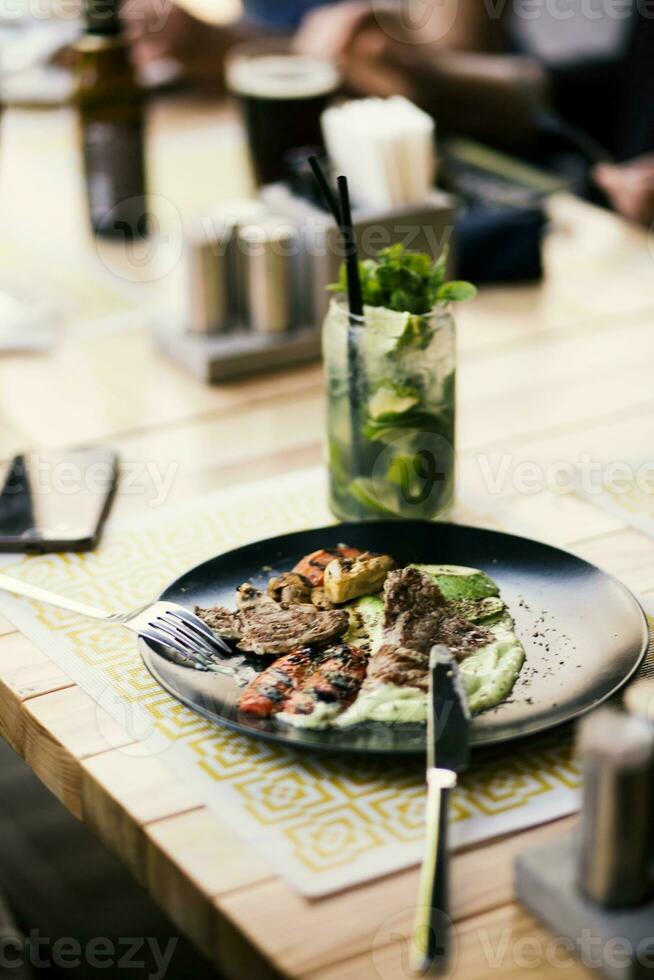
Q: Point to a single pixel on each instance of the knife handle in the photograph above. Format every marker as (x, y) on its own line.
(431, 935)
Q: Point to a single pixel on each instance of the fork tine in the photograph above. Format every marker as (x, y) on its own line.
(195, 623)
(201, 627)
(195, 639)
(216, 647)
(190, 651)
(165, 639)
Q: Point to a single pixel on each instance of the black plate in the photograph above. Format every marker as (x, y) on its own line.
(583, 632)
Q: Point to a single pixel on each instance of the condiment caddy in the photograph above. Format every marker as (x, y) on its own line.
(257, 271)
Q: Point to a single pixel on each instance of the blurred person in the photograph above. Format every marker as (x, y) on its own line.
(456, 58)
(457, 67)
(164, 29)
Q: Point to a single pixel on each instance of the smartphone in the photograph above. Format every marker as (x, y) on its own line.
(56, 501)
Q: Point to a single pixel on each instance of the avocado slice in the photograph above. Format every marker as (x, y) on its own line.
(459, 582)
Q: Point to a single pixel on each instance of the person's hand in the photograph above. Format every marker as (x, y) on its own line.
(629, 187)
(354, 34)
(329, 31)
(160, 30)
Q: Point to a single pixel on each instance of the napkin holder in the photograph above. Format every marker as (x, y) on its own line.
(236, 350)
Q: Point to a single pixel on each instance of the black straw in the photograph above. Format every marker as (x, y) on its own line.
(355, 301)
(343, 218)
(327, 192)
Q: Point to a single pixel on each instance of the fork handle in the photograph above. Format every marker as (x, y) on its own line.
(10, 584)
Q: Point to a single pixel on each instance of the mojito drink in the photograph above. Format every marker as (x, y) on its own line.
(390, 379)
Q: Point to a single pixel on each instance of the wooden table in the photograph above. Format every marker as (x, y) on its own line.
(547, 373)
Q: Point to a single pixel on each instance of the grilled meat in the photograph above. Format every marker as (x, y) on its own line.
(336, 680)
(275, 630)
(266, 627)
(227, 624)
(399, 665)
(417, 616)
(265, 695)
(312, 567)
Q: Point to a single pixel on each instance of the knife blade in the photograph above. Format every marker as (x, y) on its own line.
(448, 743)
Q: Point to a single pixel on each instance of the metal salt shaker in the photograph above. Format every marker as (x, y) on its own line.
(268, 255)
(617, 754)
(215, 286)
(207, 276)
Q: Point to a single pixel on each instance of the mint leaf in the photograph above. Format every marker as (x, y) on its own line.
(405, 281)
(455, 291)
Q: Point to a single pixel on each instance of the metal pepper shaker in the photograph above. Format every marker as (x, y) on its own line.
(269, 253)
(207, 276)
(617, 754)
(215, 286)
(639, 701)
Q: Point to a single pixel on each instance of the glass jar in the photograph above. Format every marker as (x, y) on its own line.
(390, 381)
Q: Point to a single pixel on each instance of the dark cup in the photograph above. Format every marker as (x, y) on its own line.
(281, 95)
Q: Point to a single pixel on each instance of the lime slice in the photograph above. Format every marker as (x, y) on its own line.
(388, 322)
(363, 492)
(387, 402)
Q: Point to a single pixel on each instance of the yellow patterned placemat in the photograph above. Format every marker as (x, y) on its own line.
(322, 823)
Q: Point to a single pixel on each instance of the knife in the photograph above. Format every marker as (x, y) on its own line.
(448, 739)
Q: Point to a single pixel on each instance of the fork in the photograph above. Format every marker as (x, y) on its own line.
(166, 623)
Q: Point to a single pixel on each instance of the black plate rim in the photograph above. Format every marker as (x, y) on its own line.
(148, 653)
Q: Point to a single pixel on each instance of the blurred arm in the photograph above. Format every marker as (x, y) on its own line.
(161, 30)
(465, 25)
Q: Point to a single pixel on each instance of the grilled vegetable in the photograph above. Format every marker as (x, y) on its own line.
(319, 598)
(289, 588)
(313, 566)
(335, 682)
(265, 695)
(365, 630)
(348, 578)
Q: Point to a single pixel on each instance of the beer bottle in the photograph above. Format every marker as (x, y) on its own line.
(111, 117)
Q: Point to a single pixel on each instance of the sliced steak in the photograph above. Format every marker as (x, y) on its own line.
(273, 629)
(416, 615)
(399, 665)
(270, 628)
(225, 623)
